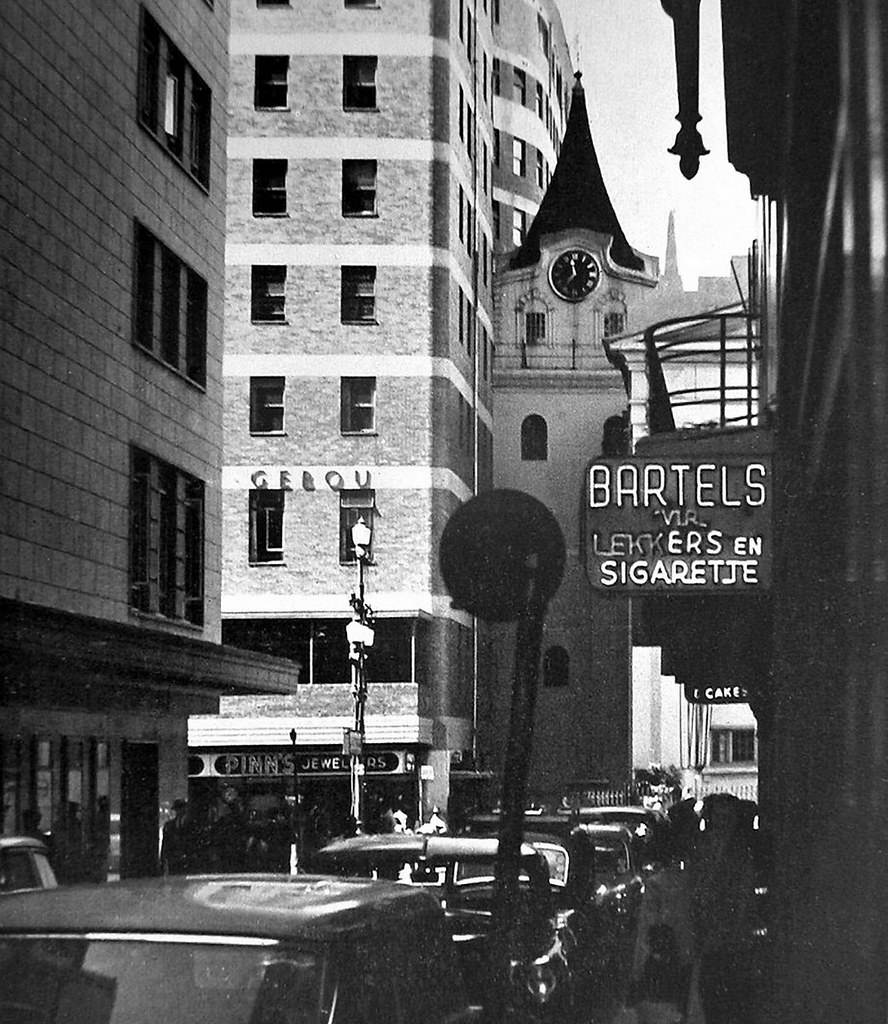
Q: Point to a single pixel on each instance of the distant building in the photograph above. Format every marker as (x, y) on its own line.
(379, 155)
(112, 256)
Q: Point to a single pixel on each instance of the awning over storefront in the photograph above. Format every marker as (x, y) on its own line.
(95, 661)
(222, 731)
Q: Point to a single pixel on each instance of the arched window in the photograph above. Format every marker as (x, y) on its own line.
(534, 439)
(556, 667)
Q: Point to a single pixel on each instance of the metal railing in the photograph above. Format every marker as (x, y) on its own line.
(706, 365)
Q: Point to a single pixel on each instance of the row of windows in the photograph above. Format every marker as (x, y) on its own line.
(522, 164)
(519, 224)
(357, 405)
(467, 229)
(357, 302)
(358, 198)
(175, 104)
(536, 326)
(526, 91)
(358, 191)
(732, 746)
(535, 437)
(267, 541)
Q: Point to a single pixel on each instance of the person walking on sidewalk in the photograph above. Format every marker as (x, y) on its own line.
(665, 951)
(722, 893)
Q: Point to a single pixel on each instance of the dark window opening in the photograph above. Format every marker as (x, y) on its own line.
(269, 188)
(270, 83)
(266, 525)
(358, 295)
(535, 328)
(266, 405)
(168, 87)
(166, 540)
(534, 439)
(358, 188)
(268, 294)
(172, 329)
(358, 405)
(359, 83)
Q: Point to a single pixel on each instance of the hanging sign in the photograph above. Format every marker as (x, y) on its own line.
(716, 694)
(679, 525)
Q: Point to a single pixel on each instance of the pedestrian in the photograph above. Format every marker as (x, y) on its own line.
(722, 894)
(176, 845)
(665, 948)
(436, 825)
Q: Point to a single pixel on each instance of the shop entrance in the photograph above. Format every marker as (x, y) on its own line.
(139, 823)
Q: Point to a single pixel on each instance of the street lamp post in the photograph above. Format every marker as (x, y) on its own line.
(359, 632)
(295, 813)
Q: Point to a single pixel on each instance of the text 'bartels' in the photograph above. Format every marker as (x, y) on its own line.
(698, 525)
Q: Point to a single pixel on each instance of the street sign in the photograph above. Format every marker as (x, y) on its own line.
(679, 525)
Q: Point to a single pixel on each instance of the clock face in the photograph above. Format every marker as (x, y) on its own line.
(574, 274)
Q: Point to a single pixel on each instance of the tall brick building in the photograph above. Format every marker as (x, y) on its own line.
(111, 247)
(379, 155)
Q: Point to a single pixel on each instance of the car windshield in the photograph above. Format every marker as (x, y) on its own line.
(130, 981)
(556, 861)
(610, 860)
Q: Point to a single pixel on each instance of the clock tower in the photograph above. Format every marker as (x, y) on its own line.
(558, 403)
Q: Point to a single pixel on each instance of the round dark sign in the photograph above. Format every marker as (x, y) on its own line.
(492, 545)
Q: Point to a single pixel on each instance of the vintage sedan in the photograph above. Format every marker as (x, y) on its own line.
(460, 871)
(228, 950)
(24, 864)
(648, 826)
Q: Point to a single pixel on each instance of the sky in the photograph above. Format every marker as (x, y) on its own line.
(625, 51)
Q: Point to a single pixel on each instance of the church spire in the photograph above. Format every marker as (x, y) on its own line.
(671, 278)
(577, 196)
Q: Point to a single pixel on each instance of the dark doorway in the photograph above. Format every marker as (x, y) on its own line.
(138, 810)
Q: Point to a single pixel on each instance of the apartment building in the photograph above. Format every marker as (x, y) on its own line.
(112, 256)
(373, 173)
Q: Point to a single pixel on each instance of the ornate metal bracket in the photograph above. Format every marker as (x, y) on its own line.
(688, 145)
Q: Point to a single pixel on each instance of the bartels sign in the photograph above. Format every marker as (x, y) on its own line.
(679, 525)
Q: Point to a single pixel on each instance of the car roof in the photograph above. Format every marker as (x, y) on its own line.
(609, 831)
(624, 812)
(22, 842)
(391, 846)
(307, 907)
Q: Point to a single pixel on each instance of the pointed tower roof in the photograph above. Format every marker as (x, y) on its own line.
(576, 196)
(671, 276)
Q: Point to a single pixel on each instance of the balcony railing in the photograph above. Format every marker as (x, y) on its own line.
(703, 371)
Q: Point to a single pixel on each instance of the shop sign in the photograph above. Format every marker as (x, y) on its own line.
(271, 763)
(303, 479)
(678, 525)
(716, 694)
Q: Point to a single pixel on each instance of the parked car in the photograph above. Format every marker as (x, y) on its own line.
(229, 949)
(648, 826)
(619, 888)
(24, 864)
(460, 872)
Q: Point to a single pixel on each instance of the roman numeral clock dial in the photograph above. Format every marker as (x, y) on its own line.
(574, 274)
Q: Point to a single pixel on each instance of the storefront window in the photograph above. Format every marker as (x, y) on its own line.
(11, 766)
(42, 762)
